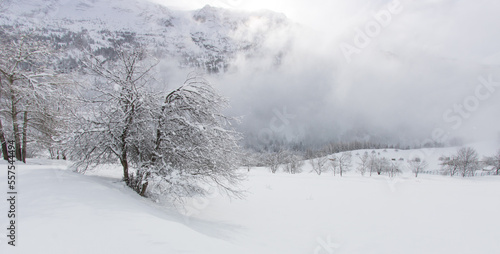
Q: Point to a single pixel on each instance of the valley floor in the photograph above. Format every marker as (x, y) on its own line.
(63, 212)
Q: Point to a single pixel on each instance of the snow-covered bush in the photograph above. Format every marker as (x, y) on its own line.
(319, 164)
(174, 144)
(293, 163)
(465, 162)
(194, 143)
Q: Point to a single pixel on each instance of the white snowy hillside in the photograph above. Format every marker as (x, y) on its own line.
(249, 127)
(63, 212)
(208, 38)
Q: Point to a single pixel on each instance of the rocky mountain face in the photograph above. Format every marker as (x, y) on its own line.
(208, 39)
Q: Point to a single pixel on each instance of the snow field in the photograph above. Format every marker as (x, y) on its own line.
(433, 214)
(63, 212)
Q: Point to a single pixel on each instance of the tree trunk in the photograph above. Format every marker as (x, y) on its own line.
(15, 125)
(124, 162)
(143, 190)
(5, 152)
(52, 153)
(123, 139)
(123, 156)
(159, 134)
(25, 135)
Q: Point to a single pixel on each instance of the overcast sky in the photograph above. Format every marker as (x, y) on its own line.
(418, 72)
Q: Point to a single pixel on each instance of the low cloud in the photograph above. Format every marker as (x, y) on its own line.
(427, 58)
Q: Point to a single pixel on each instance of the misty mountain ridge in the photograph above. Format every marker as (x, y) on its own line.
(270, 66)
(207, 39)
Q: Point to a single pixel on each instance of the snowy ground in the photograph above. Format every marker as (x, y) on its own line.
(63, 212)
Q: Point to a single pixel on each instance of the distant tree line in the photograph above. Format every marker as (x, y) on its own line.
(466, 162)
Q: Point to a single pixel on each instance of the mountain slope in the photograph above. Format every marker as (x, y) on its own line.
(209, 38)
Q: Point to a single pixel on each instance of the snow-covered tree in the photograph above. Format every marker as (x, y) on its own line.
(275, 159)
(373, 162)
(293, 163)
(117, 111)
(417, 165)
(382, 165)
(493, 161)
(342, 162)
(175, 144)
(468, 161)
(363, 163)
(319, 164)
(32, 96)
(449, 165)
(194, 145)
(394, 167)
(248, 159)
(465, 162)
